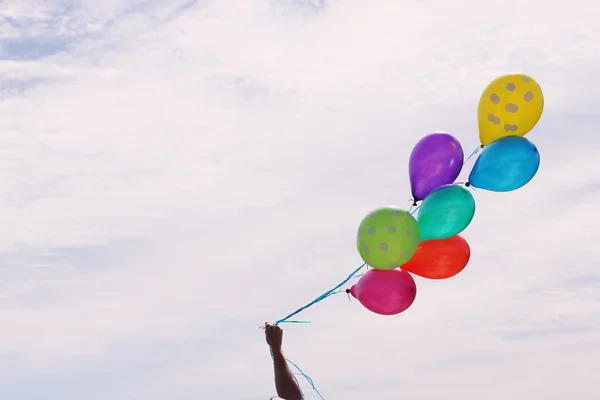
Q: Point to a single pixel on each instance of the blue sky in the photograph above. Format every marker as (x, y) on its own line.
(173, 174)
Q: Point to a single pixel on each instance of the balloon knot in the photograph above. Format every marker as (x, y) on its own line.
(467, 184)
(482, 146)
(415, 204)
(347, 290)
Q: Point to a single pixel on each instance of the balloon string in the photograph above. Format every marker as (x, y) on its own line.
(467, 183)
(300, 372)
(472, 154)
(322, 297)
(329, 293)
(308, 379)
(468, 158)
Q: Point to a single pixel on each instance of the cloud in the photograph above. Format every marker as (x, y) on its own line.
(181, 172)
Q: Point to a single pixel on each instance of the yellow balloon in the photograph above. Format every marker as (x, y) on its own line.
(510, 106)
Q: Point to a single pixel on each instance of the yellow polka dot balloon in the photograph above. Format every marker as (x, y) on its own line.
(510, 106)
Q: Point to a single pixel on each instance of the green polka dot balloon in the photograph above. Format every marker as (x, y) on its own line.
(387, 238)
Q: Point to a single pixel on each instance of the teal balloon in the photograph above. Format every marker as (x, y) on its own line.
(446, 212)
(506, 164)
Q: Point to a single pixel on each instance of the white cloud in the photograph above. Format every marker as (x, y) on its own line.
(241, 143)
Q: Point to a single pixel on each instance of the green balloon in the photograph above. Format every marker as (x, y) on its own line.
(445, 212)
(388, 238)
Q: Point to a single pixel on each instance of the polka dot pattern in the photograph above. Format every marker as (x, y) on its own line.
(493, 119)
(388, 238)
(510, 105)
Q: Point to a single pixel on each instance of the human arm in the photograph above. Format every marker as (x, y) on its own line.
(285, 383)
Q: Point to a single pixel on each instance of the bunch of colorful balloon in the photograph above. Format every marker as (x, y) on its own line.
(395, 244)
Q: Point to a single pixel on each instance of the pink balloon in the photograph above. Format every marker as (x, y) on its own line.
(385, 292)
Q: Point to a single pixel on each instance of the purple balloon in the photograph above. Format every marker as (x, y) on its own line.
(435, 161)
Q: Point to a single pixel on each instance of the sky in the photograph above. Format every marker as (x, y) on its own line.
(175, 173)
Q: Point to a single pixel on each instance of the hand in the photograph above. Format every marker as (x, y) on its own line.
(274, 336)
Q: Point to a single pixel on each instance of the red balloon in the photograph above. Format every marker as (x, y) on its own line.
(439, 259)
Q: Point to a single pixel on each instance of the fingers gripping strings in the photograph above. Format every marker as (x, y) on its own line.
(329, 293)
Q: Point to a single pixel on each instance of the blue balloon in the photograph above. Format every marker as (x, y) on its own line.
(506, 164)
